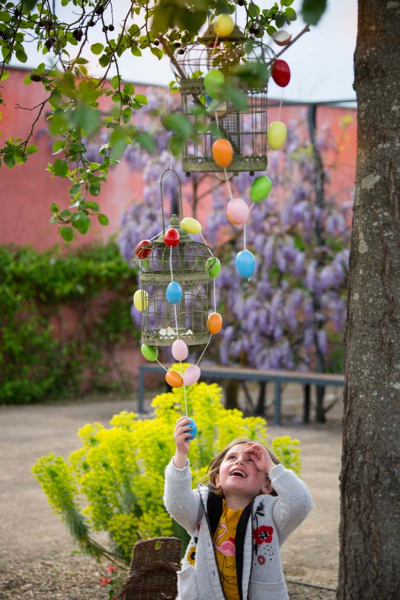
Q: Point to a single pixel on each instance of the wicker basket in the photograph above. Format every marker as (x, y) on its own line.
(153, 570)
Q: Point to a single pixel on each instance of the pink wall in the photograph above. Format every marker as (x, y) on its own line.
(27, 191)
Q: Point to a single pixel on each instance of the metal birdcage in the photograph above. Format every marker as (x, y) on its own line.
(186, 264)
(245, 129)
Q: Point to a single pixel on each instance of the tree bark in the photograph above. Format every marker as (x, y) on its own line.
(370, 490)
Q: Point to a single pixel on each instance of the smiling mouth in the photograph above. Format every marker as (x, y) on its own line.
(238, 473)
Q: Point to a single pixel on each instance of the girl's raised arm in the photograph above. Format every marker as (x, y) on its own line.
(182, 503)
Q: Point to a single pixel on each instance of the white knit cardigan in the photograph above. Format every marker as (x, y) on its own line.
(272, 520)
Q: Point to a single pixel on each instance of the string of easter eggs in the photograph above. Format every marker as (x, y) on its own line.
(238, 211)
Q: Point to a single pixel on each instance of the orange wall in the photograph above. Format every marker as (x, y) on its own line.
(27, 191)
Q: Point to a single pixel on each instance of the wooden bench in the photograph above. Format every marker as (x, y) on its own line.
(262, 377)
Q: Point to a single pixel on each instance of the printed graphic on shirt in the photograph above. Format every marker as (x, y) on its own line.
(191, 551)
(262, 538)
(225, 550)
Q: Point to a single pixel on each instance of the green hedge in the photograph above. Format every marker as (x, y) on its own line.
(35, 288)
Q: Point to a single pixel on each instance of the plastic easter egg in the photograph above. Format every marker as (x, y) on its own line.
(276, 135)
(193, 432)
(191, 375)
(260, 188)
(179, 350)
(245, 263)
(171, 237)
(141, 300)
(238, 211)
(280, 73)
(214, 82)
(214, 323)
(222, 153)
(191, 226)
(142, 251)
(282, 38)
(173, 292)
(174, 379)
(223, 25)
(213, 266)
(149, 352)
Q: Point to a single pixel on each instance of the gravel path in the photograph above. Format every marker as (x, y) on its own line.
(37, 557)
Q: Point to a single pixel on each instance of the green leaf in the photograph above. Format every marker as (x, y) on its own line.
(27, 80)
(238, 98)
(129, 89)
(81, 61)
(146, 141)
(176, 145)
(87, 118)
(94, 189)
(92, 205)
(58, 146)
(103, 220)
(157, 52)
(290, 13)
(104, 60)
(9, 160)
(67, 234)
(75, 189)
(280, 21)
(115, 82)
(54, 207)
(287, 2)
(179, 124)
(5, 16)
(253, 10)
(61, 168)
(136, 51)
(97, 48)
(313, 10)
(21, 56)
(127, 114)
(5, 75)
(141, 99)
(31, 149)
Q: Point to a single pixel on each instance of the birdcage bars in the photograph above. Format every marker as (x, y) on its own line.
(245, 129)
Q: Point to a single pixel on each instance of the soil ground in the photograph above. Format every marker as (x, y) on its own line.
(37, 557)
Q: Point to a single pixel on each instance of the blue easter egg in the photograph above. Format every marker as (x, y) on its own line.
(245, 263)
(192, 434)
(174, 292)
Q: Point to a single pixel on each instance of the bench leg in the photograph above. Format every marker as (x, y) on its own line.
(260, 408)
(140, 391)
(307, 402)
(277, 403)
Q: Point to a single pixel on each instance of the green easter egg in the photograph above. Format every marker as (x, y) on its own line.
(213, 83)
(213, 265)
(260, 188)
(149, 352)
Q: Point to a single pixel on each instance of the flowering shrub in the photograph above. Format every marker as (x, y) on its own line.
(114, 580)
(115, 482)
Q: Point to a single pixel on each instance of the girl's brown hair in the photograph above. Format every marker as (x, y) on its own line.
(213, 468)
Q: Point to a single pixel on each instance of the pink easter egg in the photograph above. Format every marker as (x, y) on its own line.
(179, 350)
(191, 375)
(238, 211)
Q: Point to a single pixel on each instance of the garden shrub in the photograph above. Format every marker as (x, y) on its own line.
(115, 482)
(35, 288)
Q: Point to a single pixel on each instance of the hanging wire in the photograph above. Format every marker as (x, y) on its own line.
(184, 395)
(170, 171)
(202, 354)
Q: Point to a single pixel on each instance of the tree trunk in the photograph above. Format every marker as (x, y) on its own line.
(370, 490)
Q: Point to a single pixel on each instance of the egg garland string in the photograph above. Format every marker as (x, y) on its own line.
(175, 272)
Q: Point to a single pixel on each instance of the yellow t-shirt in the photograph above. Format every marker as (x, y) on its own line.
(224, 545)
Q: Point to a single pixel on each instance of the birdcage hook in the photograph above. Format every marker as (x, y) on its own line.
(170, 171)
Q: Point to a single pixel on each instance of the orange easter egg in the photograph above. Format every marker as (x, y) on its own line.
(174, 379)
(214, 323)
(222, 153)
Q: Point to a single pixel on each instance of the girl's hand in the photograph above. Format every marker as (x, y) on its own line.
(260, 456)
(182, 428)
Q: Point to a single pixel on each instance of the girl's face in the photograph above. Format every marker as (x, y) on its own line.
(239, 476)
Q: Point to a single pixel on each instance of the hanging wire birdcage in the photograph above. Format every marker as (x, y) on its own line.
(186, 263)
(246, 129)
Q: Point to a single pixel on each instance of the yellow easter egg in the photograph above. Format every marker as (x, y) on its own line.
(191, 225)
(276, 135)
(141, 300)
(223, 25)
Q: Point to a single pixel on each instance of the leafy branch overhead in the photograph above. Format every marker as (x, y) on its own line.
(73, 96)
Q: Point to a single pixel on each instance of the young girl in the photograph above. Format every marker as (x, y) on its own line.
(237, 523)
